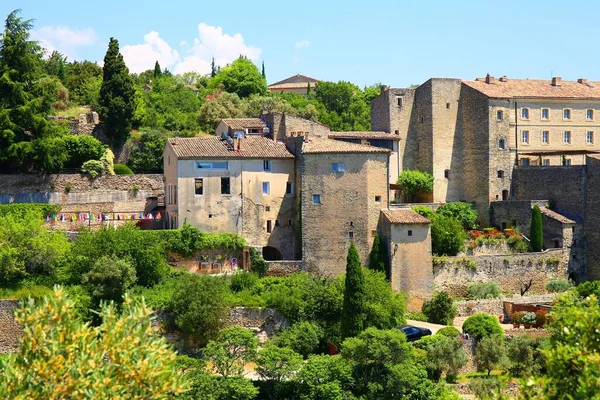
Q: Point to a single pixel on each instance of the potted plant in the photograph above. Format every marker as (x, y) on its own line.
(529, 318)
(540, 318)
(517, 319)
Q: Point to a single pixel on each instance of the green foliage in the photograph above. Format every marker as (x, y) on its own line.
(416, 316)
(61, 357)
(28, 210)
(482, 325)
(558, 285)
(384, 309)
(187, 240)
(415, 181)
(303, 338)
(378, 257)
(122, 169)
(81, 148)
(277, 364)
(424, 211)
(449, 331)
(258, 264)
(342, 106)
(147, 156)
(117, 96)
(107, 160)
(93, 168)
(445, 355)
(537, 234)
(325, 378)
(219, 106)
(523, 356)
(241, 77)
(490, 353)
(485, 388)
(198, 307)
(243, 281)
(83, 80)
(353, 311)
(447, 235)
(463, 212)
(483, 290)
(440, 309)
(588, 288)
(233, 348)
(109, 278)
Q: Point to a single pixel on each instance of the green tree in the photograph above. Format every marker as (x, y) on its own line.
(157, 70)
(241, 77)
(62, 357)
(81, 148)
(55, 65)
(109, 278)
(83, 80)
(521, 351)
(213, 68)
(461, 211)
(414, 181)
(378, 256)
(424, 211)
(303, 338)
(384, 308)
(231, 351)
(440, 309)
(263, 72)
(353, 312)
(219, 106)
(445, 354)
(490, 353)
(482, 325)
(537, 234)
(325, 378)
(485, 388)
(447, 235)
(277, 363)
(117, 96)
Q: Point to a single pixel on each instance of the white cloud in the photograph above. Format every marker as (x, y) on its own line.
(141, 57)
(302, 43)
(64, 39)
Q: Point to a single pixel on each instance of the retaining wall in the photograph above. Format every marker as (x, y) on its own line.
(10, 331)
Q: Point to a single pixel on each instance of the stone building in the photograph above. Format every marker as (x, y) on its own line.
(294, 84)
(249, 126)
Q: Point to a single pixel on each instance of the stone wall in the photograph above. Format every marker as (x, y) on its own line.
(85, 124)
(266, 321)
(284, 267)
(466, 308)
(592, 218)
(510, 271)
(10, 331)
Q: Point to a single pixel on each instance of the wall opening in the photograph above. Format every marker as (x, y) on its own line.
(505, 195)
(271, 253)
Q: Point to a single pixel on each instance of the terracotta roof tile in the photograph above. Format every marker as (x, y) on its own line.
(295, 79)
(337, 146)
(214, 148)
(243, 123)
(364, 135)
(534, 88)
(404, 216)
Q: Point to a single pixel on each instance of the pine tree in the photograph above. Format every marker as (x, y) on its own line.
(213, 68)
(157, 70)
(308, 89)
(353, 312)
(378, 257)
(263, 70)
(536, 235)
(117, 96)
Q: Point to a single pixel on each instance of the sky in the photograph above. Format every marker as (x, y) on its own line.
(396, 43)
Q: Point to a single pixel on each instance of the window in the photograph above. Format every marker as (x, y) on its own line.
(212, 165)
(225, 186)
(567, 113)
(316, 198)
(267, 208)
(397, 132)
(276, 222)
(524, 113)
(545, 113)
(525, 137)
(567, 161)
(399, 100)
(377, 199)
(499, 115)
(422, 119)
(525, 162)
(500, 174)
(589, 138)
(589, 114)
(267, 165)
(269, 226)
(545, 137)
(266, 188)
(338, 167)
(351, 235)
(567, 137)
(447, 173)
(448, 105)
(289, 188)
(409, 232)
(501, 144)
(384, 144)
(175, 194)
(199, 186)
(290, 222)
(355, 141)
(546, 162)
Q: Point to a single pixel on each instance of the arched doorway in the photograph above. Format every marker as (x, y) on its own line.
(271, 253)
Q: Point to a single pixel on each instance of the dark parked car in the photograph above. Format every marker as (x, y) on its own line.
(414, 332)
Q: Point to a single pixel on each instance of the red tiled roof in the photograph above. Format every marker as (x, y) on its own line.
(536, 88)
(243, 123)
(404, 216)
(364, 135)
(295, 79)
(214, 148)
(337, 146)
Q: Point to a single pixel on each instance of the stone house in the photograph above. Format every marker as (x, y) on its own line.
(249, 126)
(294, 84)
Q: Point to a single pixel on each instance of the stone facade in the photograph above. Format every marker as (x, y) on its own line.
(284, 126)
(10, 331)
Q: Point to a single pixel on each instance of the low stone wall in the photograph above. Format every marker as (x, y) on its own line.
(266, 321)
(467, 308)
(283, 267)
(10, 331)
(510, 271)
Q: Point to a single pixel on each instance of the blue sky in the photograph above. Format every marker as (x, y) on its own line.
(393, 42)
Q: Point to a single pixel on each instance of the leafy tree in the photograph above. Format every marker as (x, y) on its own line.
(117, 96)
(463, 212)
(147, 156)
(325, 378)
(490, 353)
(81, 148)
(62, 357)
(447, 235)
(440, 309)
(482, 325)
(342, 106)
(521, 351)
(445, 354)
(198, 306)
(109, 278)
(157, 70)
(83, 80)
(255, 105)
(234, 348)
(303, 338)
(424, 211)
(378, 256)
(484, 388)
(241, 77)
(219, 106)
(277, 363)
(55, 65)
(537, 234)
(353, 312)
(415, 181)
(384, 309)
(588, 288)
(409, 381)
(107, 160)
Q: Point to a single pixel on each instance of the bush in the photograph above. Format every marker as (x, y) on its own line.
(529, 318)
(415, 181)
(416, 316)
(257, 262)
(243, 281)
(440, 309)
(447, 236)
(463, 212)
(122, 169)
(484, 388)
(445, 354)
(93, 168)
(558, 285)
(81, 148)
(482, 325)
(303, 338)
(588, 288)
(449, 331)
(34, 210)
(483, 290)
(424, 211)
(109, 278)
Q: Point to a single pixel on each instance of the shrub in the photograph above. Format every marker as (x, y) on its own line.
(81, 148)
(445, 354)
(558, 285)
(449, 331)
(243, 281)
(482, 325)
(440, 310)
(277, 364)
(424, 211)
(518, 317)
(588, 288)
(92, 167)
(484, 388)
(107, 160)
(483, 290)
(257, 262)
(122, 169)
(109, 278)
(537, 233)
(415, 181)
(416, 316)
(463, 212)
(303, 338)
(35, 210)
(529, 318)
(447, 235)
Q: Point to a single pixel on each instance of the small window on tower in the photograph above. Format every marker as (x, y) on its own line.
(409, 232)
(447, 174)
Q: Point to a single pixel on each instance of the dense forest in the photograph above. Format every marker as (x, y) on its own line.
(137, 110)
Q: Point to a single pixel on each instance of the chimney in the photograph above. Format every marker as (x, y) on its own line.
(383, 89)
(490, 79)
(239, 144)
(235, 143)
(556, 81)
(174, 143)
(583, 81)
(504, 79)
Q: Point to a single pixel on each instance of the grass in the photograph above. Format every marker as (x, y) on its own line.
(72, 112)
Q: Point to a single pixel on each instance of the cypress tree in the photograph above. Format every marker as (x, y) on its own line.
(536, 235)
(157, 70)
(117, 96)
(308, 89)
(353, 311)
(213, 68)
(263, 70)
(378, 257)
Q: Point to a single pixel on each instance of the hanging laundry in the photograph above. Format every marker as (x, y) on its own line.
(158, 216)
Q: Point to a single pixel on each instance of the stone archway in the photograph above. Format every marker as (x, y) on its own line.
(271, 253)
